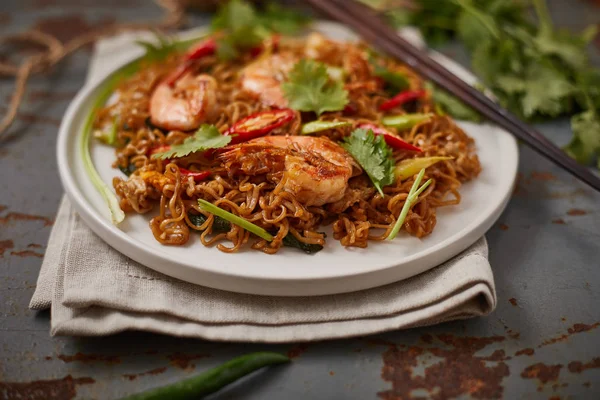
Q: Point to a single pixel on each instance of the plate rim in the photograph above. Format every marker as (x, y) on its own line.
(253, 283)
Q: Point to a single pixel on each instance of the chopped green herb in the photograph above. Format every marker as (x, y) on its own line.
(533, 68)
(309, 88)
(244, 27)
(373, 155)
(206, 137)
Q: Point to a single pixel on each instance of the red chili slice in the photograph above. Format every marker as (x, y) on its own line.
(401, 98)
(259, 124)
(202, 49)
(393, 141)
(198, 176)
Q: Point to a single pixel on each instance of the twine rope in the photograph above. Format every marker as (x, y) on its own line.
(54, 51)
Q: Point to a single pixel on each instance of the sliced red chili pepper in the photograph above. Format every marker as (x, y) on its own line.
(202, 49)
(392, 140)
(198, 176)
(401, 98)
(259, 124)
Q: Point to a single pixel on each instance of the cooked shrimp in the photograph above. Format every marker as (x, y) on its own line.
(315, 169)
(191, 101)
(263, 78)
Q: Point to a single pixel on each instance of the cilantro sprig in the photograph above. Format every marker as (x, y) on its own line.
(373, 155)
(206, 137)
(241, 26)
(309, 88)
(534, 69)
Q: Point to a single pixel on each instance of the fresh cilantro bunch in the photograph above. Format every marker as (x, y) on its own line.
(309, 88)
(206, 137)
(373, 155)
(244, 27)
(535, 70)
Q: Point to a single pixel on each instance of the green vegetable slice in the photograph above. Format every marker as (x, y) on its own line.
(413, 194)
(220, 225)
(116, 214)
(318, 126)
(234, 219)
(405, 121)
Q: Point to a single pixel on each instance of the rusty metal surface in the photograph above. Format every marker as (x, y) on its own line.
(543, 341)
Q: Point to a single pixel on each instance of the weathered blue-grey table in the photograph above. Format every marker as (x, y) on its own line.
(543, 341)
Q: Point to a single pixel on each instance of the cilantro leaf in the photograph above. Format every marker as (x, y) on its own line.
(373, 155)
(310, 89)
(586, 137)
(206, 137)
(241, 27)
(452, 105)
(244, 27)
(545, 88)
(283, 20)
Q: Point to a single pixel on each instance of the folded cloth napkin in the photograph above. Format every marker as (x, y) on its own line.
(94, 290)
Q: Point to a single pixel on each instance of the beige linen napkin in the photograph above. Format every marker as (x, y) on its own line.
(93, 290)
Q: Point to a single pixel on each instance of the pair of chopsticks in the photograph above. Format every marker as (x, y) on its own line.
(375, 30)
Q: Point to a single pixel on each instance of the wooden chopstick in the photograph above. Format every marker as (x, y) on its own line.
(430, 68)
(422, 58)
(376, 31)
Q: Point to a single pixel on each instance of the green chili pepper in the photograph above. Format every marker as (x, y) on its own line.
(405, 121)
(407, 168)
(213, 379)
(318, 126)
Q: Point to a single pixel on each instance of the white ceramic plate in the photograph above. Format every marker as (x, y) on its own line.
(290, 272)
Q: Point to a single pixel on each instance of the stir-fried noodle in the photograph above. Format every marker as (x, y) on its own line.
(249, 179)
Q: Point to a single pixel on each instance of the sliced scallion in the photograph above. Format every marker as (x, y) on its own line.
(234, 219)
(318, 126)
(413, 194)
